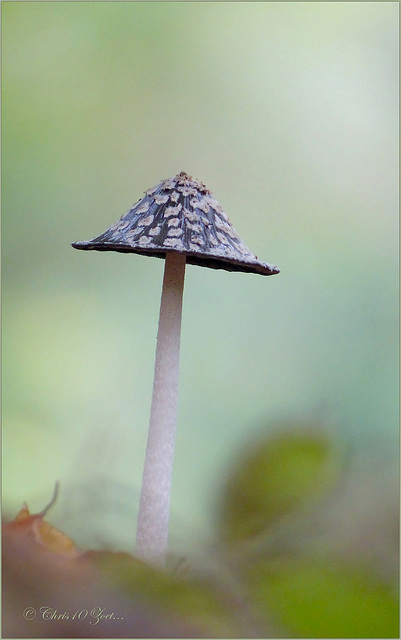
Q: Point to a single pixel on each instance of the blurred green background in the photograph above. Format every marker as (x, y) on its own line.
(288, 113)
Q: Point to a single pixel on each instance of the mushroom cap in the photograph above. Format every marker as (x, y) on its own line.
(180, 215)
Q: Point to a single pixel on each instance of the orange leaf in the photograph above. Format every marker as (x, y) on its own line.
(42, 532)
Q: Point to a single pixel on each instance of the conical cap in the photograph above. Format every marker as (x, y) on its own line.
(180, 214)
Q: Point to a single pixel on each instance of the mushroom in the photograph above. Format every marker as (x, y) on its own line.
(179, 220)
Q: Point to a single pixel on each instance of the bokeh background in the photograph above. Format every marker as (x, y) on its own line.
(288, 113)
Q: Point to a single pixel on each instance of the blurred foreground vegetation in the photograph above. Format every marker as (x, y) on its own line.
(283, 564)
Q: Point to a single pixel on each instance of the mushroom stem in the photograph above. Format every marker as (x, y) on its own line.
(152, 529)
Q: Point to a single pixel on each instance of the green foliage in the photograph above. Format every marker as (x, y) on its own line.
(277, 476)
(195, 600)
(306, 594)
(325, 598)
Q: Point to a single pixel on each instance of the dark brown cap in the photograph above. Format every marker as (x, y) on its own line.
(180, 214)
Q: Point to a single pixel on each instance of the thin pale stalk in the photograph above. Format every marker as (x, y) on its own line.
(154, 506)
